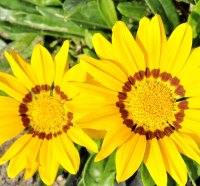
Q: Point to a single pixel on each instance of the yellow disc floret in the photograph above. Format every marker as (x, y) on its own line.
(150, 104)
(47, 114)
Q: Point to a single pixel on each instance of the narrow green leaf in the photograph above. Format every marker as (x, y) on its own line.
(194, 20)
(145, 176)
(100, 173)
(108, 12)
(18, 5)
(135, 9)
(45, 2)
(167, 11)
(40, 22)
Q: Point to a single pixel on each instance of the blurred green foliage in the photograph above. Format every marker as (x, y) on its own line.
(23, 23)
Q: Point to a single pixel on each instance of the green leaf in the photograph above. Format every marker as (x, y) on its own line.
(167, 11)
(145, 176)
(71, 6)
(192, 168)
(194, 20)
(108, 12)
(135, 9)
(24, 45)
(45, 2)
(39, 22)
(100, 173)
(18, 5)
(87, 15)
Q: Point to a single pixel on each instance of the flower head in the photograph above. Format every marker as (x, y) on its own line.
(37, 105)
(150, 99)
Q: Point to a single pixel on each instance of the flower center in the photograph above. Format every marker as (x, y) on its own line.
(47, 114)
(150, 104)
(43, 111)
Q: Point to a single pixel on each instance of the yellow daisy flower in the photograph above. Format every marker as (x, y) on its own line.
(37, 105)
(150, 99)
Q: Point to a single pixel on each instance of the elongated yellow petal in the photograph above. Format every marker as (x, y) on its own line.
(78, 136)
(113, 139)
(174, 163)
(103, 118)
(96, 90)
(8, 104)
(43, 65)
(48, 165)
(66, 154)
(178, 49)
(151, 38)
(32, 159)
(154, 162)
(107, 67)
(21, 69)
(103, 47)
(102, 77)
(61, 62)
(19, 162)
(15, 148)
(186, 145)
(12, 86)
(126, 48)
(129, 157)
(10, 126)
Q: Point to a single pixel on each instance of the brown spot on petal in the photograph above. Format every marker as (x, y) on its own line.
(183, 105)
(174, 81)
(150, 135)
(165, 76)
(155, 73)
(147, 73)
(180, 90)
(122, 95)
(131, 80)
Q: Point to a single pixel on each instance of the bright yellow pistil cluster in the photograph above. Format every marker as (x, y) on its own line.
(150, 104)
(47, 114)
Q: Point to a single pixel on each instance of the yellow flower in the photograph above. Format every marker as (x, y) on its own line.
(38, 94)
(149, 99)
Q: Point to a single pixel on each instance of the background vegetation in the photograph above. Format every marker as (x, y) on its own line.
(23, 23)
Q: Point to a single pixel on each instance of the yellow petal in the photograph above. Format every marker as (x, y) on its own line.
(126, 49)
(102, 118)
(78, 136)
(113, 139)
(71, 75)
(186, 145)
(8, 104)
(10, 126)
(151, 38)
(194, 102)
(96, 90)
(66, 153)
(103, 47)
(61, 62)
(177, 49)
(48, 165)
(43, 65)
(107, 67)
(19, 162)
(12, 86)
(102, 77)
(129, 157)
(154, 162)
(21, 69)
(174, 163)
(15, 148)
(96, 134)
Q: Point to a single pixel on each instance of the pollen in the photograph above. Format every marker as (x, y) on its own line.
(150, 104)
(47, 114)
